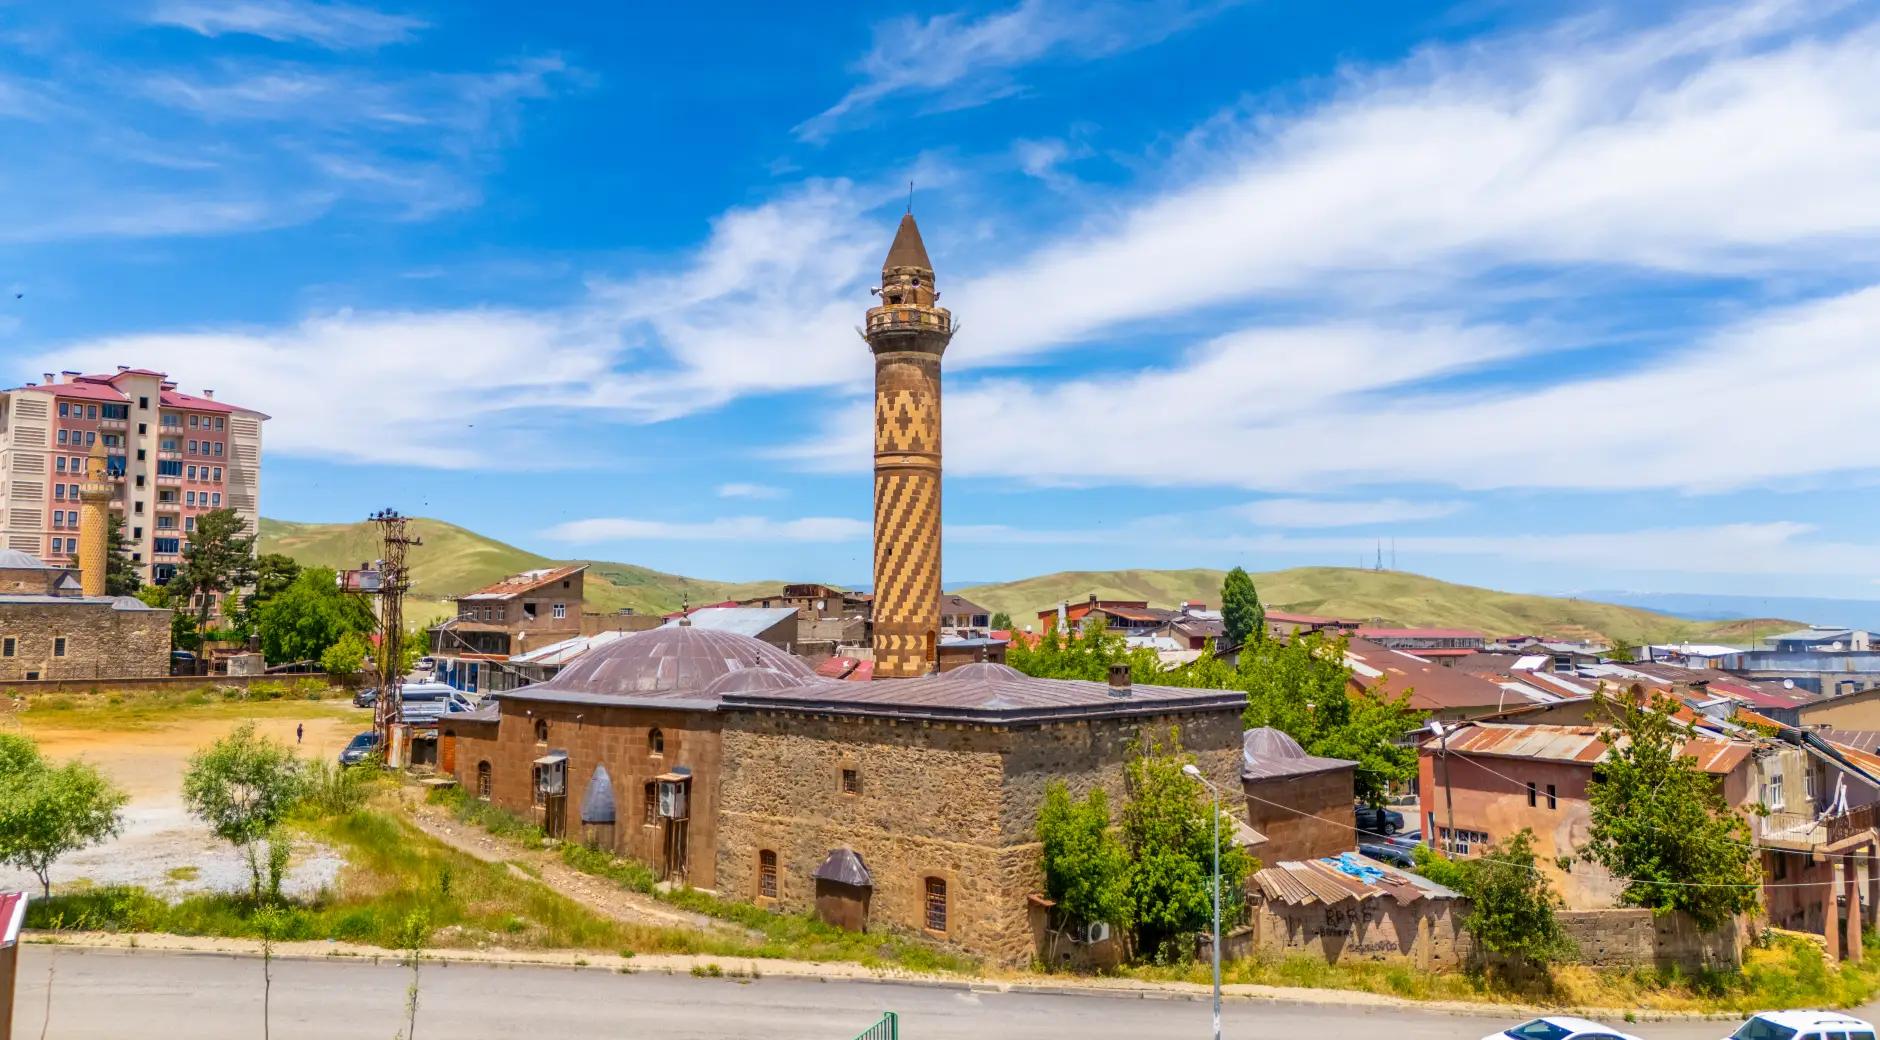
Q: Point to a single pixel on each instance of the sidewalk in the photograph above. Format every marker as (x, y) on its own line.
(748, 969)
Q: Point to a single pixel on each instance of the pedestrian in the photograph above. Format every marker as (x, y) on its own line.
(300, 730)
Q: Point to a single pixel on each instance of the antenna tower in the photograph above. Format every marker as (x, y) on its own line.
(394, 582)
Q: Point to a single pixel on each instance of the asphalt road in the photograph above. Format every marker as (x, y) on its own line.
(104, 993)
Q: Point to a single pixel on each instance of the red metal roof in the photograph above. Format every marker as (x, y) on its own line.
(1419, 633)
(1577, 744)
(190, 402)
(1433, 687)
(1304, 619)
(517, 584)
(79, 391)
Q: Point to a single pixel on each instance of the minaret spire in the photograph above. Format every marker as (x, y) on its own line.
(94, 523)
(907, 331)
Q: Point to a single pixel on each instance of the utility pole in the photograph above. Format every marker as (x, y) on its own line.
(394, 582)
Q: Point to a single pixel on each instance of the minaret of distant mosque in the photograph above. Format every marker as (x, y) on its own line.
(907, 331)
(94, 523)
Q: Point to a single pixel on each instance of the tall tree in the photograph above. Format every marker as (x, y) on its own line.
(310, 615)
(274, 572)
(121, 577)
(218, 559)
(1085, 866)
(1002, 621)
(1512, 908)
(1241, 613)
(1303, 687)
(1663, 825)
(243, 786)
(48, 811)
(1169, 837)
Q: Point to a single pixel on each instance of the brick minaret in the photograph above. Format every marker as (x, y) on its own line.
(94, 518)
(907, 332)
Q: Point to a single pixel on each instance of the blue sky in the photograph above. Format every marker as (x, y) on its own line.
(1552, 297)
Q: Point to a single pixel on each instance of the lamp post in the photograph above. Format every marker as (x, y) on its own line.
(1215, 794)
(1449, 790)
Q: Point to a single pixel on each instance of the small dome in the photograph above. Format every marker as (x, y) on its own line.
(15, 560)
(681, 659)
(748, 680)
(1267, 744)
(985, 670)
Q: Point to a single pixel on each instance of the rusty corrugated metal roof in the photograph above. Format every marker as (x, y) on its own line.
(1579, 744)
(1305, 882)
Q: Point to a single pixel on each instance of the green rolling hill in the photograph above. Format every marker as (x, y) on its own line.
(1387, 597)
(454, 560)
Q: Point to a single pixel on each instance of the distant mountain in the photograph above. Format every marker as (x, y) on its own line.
(1387, 597)
(1854, 613)
(454, 560)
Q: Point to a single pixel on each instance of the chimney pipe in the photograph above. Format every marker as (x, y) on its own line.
(49, 377)
(208, 394)
(1119, 679)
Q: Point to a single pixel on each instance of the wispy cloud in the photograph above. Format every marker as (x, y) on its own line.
(955, 61)
(721, 529)
(338, 26)
(761, 491)
(1324, 512)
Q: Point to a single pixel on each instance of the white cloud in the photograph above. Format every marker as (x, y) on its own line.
(337, 26)
(749, 491)
(723, 529)
(1321, 512)
(957, 61)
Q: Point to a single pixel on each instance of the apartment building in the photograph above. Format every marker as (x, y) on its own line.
(172, 456)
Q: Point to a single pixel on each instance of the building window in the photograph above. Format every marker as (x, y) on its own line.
(219, 422)
(1552, 802)
(1531, 792)
(10, 646)
(58, 648)
(62, 439)
(483, 781)
(767, 874)
(851, 781)
(196, 420)
(541, 731)
(561, 611)
(936, 904)
(1772, 792)
(218, 449)
(656, 741)
(218, 474)
(1808, 784)
(58, 463)
(649, 812)
(63, 410)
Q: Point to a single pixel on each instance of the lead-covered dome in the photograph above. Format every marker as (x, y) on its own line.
(985, 670)
(679, 659)
(751, 680)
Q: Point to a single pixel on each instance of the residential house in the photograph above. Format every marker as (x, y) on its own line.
(1825, 638)
(1432, 643)
(1446, 693)
(1300, 804)
(1284, 623)
(774, 625)
(522, 612)
(962, 618)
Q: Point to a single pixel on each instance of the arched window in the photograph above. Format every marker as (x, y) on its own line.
(541, 731)
(936, 904)
(767, 874)
(483, 780)
(656, 741)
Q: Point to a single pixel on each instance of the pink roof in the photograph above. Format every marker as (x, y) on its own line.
(1443, 651)
(177, 399)
(1420, 633)
(83, 391)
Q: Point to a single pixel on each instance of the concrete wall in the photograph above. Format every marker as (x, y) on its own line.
(1853, 711)
(1639, 938)
(1274, 808)
(100, 641)
(1427, 932)
(29, 688)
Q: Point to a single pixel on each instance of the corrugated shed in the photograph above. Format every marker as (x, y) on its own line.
(1321, 881)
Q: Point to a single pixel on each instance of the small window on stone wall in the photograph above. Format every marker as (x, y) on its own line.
(58, 646)
(851, 781)
(936, 904)
(767, 874)
(541, 731)
(483, 780)
(656, 741)
(9, 646)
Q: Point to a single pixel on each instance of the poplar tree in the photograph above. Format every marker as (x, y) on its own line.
(1242, 616)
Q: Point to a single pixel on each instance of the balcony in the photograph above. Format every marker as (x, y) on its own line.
(908, 319)
(1853, 822)
(111, 424)
(1806, 830)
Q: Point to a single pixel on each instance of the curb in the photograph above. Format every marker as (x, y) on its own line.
(749, 971)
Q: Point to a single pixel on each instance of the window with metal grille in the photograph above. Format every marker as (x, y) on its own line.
(851, 781)
(936, 904)
(483, 780)
(767, 874)
(58, 646)
(650, 811)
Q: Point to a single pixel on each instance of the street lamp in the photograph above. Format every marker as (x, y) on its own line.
(1214, 792)
(1441, 733)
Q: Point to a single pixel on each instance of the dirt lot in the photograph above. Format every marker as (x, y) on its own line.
(162, 847)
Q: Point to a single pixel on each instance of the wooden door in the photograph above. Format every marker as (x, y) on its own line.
(555, 815)
(447, 754)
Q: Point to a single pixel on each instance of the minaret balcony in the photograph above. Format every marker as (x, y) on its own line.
(909, 319)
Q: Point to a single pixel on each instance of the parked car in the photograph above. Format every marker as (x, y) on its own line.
(1560, 1027)
(366, 698)
(361, 746)
(425, 664)
(1803, 1025)
(1378, 820)
(1390, 854)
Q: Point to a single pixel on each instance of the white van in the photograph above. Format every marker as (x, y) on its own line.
(1803, 1025)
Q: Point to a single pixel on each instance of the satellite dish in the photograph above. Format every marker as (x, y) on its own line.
(1788, 684)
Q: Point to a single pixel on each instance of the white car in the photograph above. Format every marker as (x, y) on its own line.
(1803, 1025)
(1561, 1027)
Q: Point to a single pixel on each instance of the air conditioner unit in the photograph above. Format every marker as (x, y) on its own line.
(551, 778)
(1094, 932)
(672, 799)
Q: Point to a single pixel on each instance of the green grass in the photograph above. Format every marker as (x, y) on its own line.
(105, 708)
(1390, 597)
(791, 936)
(1782, 972)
